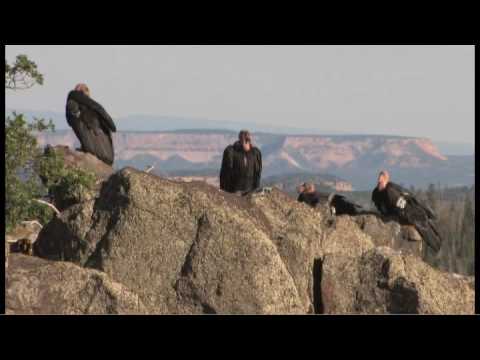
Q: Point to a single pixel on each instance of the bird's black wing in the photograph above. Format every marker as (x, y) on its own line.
(413, 201)
(258, 168)
(428, 211)
(85, 100)
(226, 171)
(316, 198)
(344, 206)
(400, 189)
(87, 126)
(72, 112)
(397, 198)
(429, 233)
(390, 201)
(379, 201)
(421, 216)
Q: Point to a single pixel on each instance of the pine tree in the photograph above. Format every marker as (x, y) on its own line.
(467, 235)
(431, 196)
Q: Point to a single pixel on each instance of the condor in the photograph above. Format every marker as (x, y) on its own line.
(393, 200)
(91, 123)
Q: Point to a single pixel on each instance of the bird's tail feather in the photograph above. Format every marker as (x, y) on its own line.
(430, 235)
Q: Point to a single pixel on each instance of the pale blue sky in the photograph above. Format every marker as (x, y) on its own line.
(417, 90)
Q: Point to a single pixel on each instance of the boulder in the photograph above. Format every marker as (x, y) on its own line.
(385, 231)
(79, 159)
(22, 237)
(38, 286)
(297, 232)
(182, 247)
(189, 248)
(25, 230)
(383, 280)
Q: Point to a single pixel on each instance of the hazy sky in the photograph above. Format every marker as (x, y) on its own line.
(399, 90)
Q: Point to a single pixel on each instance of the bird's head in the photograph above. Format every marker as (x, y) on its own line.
(383, 179)
(309, 187)
(245, 139)
(301, 188)
(83, 88)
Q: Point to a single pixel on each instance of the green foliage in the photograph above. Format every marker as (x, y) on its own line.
(22, 74)
(21, 186)
(65, 184)
(21, 151)
(29, 173)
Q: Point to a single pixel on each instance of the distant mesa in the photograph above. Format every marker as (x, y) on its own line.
(353, 158)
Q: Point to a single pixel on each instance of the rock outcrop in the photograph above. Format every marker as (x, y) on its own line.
(79, 159)
(386, 231)
(190, 248)
(38, 286)
(383, 280)
(25, 230)
(21, 239)
(181, 247)
(87, 162)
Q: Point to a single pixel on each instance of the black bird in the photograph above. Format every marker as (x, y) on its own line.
(393, 200)
(338, 204)
(92, 125)
(241, 169)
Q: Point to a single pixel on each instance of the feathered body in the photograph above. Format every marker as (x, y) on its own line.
(92, 125)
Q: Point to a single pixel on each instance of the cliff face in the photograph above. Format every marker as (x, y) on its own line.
(355, 159)
(190, 248)
(318, 153)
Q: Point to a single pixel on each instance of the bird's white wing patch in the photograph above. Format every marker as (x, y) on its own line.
(401, 202)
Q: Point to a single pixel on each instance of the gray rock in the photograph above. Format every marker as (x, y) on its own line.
(388, 232)
(191, 248)
(38, 286)
(22, 238)
(25, 230)
(147, 233)
(86, 161)
(383, 280)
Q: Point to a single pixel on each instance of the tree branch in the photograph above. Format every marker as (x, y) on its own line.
(48, 204)
(32, 222)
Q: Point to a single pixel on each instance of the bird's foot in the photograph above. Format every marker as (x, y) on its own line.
(262, 191)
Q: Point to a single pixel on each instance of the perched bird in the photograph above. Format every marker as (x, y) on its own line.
(91, 123)
(337, 204)
(393, 200)
(241, 166)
